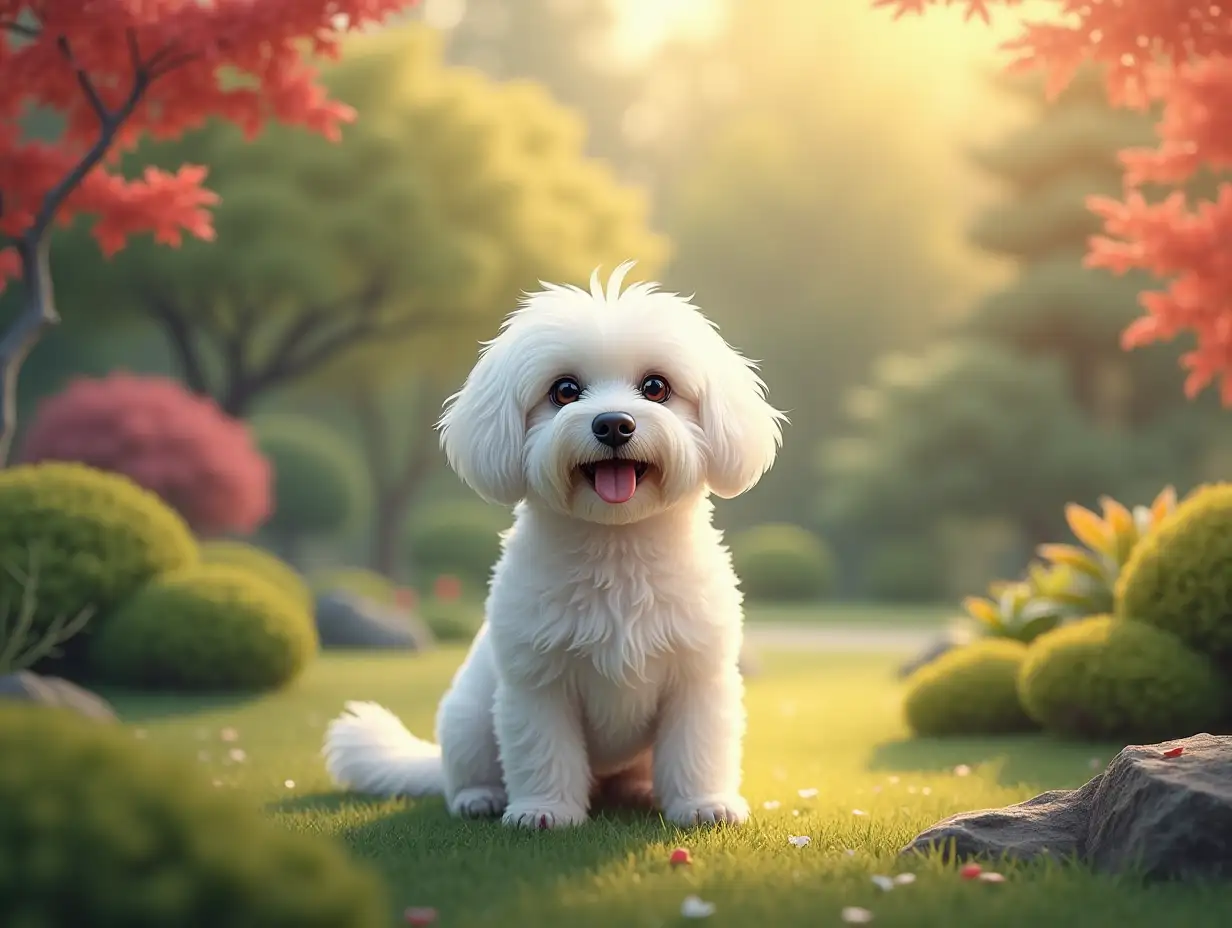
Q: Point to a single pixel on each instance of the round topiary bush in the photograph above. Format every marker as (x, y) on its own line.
(1179, 577)
(320, 486)
(100, 830)
(1112, 678)
(213, 627)
(199, 460)
(460, 538)
(782, 563)
(451, 620)
(970, 690)
(268, 566)
(90, 539)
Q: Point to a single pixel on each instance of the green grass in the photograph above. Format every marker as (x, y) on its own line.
(865, 615)
(830, 723)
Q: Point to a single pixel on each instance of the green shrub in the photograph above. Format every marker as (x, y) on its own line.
(357, 580)
(1111, 678)
(782, 563)
(1179, 578)
(264, 564)
(460, 538)
(905, 572)
(100, 830)
(210, 627)
(451, 620)
(320, 486)
(87, 538)
(969, 691)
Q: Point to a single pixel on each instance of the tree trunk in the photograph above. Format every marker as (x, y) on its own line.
(37, 314)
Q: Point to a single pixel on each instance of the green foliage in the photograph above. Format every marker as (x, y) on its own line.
(267, 566)
(905, 571)
(1019, 610)
(461, 538)
(91, 539)
(971, 690)
(1114, 678)
(101, 830)
(319, 486)
(451, 619)
(213, 627)
(19, 648)
(782, 563)
(357, 580)
(1179, 578)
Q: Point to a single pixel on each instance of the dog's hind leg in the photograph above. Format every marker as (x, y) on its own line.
(474, 786)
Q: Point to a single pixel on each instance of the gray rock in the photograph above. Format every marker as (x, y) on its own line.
(350, 621)
(1161, 817)
(54, 691)
(942, 645)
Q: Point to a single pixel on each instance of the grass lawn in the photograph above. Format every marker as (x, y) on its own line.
(828, 723)
(866, 615)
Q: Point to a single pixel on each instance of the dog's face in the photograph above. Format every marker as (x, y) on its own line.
(609, 407)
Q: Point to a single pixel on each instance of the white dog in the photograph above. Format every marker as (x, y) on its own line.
(607, 662)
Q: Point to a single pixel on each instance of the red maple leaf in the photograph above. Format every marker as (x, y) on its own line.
(1178, 52)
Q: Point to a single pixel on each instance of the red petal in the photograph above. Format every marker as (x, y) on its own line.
(1174, 752)
(419, 916)
(970, 872)
(680, 857)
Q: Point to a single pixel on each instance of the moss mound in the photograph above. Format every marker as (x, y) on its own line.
(100, 830)
(971, 690)
(268, 566)
(213, 627)
(87, 538)
(1179, 577)
(1112, 678)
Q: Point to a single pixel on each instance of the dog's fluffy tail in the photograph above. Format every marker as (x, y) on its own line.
(369, 750)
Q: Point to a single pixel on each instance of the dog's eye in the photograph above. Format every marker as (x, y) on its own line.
(565, 391)
(655, 389)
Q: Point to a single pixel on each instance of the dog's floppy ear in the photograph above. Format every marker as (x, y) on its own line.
(743, 431)
(483, 429)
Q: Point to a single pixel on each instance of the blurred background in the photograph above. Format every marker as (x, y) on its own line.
(874, 210)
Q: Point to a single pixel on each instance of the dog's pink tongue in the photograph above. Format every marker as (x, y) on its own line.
(615, 481)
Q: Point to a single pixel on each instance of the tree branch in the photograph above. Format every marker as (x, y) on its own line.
(83, 81)
(179, 334)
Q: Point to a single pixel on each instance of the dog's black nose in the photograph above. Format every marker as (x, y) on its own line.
(613, 428)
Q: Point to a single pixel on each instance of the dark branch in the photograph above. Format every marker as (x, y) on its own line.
(87, 86)
(179, 334)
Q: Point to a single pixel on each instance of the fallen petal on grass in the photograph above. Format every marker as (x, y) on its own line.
(807, 793)
(904, 878)
(854, 915)
(680, 857)
(696, 907)
(229, 734)
(992, 878)
(884, 883)
(962, 770)
(858, 812)
(239, 755)
(799, 840)
(771, 804)
(289, 784)
(971, 872)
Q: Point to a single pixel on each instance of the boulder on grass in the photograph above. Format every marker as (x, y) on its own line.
(54, 691)
(350, 621)
(1162, 811)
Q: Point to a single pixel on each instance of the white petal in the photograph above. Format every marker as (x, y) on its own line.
(904, 878)
(884, 883)
(962, 770)
(854, 915)
(808, 793)
(693, 907)
(799, 840)
(771, 804)
(858, 812)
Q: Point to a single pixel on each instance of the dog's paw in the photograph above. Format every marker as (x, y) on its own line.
(543, 815)
(708, 810)
(479, 802)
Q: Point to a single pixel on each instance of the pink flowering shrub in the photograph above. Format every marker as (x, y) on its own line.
(203, 463)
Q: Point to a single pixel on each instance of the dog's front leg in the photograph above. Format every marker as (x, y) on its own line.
(543, 756)
(698, 751)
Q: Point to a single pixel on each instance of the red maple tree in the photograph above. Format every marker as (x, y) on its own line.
(1178, 52)
(116, 70)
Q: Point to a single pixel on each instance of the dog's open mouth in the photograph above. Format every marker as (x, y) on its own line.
(614, 480)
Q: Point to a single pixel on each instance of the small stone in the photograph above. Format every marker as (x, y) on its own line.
(854, 915)
(695, 907)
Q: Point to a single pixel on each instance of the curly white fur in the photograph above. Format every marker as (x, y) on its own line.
(608, 659)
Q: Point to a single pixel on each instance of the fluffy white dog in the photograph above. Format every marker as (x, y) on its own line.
(606, 667)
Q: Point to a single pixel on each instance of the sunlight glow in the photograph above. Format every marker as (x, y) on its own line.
(642, 26)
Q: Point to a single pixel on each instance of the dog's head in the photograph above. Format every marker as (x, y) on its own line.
(609, 406)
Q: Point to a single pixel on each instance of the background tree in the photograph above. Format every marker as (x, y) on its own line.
(1179, 53)
(319, 486)
(451, 194)
(115, 72)
(202, 462)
